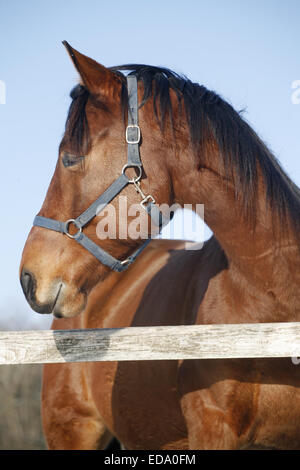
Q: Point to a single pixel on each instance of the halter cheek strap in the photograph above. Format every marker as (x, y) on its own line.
(133, 136)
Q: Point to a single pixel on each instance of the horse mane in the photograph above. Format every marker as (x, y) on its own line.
(241, 151)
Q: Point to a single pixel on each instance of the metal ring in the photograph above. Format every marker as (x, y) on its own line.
(133, 180)
(125, 262)
(73, 221)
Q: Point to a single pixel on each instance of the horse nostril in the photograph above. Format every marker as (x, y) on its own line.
(28, 284)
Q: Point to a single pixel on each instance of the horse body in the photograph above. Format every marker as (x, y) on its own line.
(195, 149)
(168, 404)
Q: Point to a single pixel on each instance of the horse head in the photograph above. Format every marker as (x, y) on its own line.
(56, 273)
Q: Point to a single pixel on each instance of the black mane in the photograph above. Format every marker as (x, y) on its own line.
(242, 153)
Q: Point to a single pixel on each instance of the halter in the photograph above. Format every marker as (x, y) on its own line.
(133, 137)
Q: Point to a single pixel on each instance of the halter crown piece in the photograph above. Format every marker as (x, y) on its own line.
(133, 137)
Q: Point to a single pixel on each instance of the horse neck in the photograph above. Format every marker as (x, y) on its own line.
(267, 259)
(93, 315)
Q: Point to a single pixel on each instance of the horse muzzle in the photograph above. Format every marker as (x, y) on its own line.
(58, 298)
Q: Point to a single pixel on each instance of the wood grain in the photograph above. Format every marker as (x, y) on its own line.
(151, 343)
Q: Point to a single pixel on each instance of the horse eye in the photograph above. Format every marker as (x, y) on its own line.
(69, 160)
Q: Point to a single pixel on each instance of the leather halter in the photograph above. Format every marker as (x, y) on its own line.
(133, 136)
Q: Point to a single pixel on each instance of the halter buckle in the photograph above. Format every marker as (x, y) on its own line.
(137, 138)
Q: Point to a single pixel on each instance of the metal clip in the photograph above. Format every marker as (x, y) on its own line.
(145, 199)
(138, 189)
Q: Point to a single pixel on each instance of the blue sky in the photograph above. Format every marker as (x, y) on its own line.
(246, 50)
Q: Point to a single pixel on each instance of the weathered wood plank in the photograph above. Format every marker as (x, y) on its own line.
(151, 343)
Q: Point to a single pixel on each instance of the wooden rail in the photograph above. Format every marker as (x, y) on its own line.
(151, 343)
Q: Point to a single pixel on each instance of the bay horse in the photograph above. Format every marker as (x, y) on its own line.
(195, 148)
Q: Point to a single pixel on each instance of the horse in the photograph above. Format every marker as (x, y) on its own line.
(194, 148)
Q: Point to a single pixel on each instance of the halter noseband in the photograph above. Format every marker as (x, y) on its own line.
(133, 136)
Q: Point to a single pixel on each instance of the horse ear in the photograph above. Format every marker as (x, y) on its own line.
(95, 76)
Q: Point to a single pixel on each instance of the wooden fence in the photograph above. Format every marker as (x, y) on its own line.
(151, 343)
